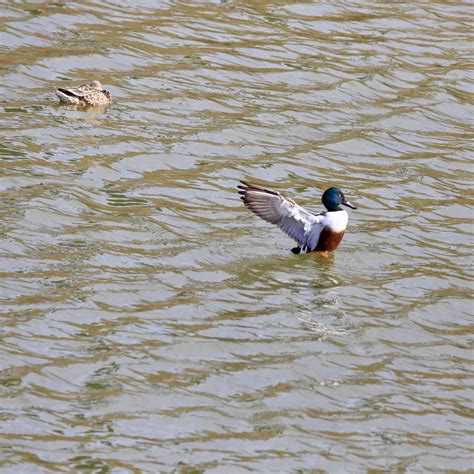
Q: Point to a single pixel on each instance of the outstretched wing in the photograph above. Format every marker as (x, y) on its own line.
(297, 222)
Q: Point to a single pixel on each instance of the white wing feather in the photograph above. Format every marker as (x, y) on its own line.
(300, 224)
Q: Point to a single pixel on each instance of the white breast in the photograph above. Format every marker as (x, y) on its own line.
(336, 221)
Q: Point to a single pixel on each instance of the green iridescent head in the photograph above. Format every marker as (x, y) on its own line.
(333, 198)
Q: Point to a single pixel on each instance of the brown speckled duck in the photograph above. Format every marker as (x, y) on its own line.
(90, 93)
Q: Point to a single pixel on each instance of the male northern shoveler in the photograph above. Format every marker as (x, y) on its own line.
(313, 232)
(90, 93)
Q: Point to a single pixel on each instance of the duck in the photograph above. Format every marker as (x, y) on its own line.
(313, 232)
(87, 94)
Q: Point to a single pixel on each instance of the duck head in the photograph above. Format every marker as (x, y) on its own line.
(333, 198)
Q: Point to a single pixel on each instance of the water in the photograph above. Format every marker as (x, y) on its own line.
(150, 322)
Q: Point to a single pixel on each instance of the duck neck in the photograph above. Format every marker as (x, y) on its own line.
(334, 208)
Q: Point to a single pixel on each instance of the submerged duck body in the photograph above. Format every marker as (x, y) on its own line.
(312, 231)
(88, 94)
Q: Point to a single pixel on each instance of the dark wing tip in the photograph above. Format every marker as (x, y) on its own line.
(66, 92)
(246, 186)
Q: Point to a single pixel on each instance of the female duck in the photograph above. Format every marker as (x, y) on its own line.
(88, 94)
(313, 232)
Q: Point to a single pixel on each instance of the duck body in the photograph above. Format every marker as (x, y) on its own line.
(334, 225)
(314, 232)
(88, 94)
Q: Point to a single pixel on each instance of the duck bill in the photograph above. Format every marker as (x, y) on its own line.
(348, 204)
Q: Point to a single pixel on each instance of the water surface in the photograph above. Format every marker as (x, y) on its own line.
(150, 322)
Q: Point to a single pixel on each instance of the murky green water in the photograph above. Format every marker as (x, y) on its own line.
(150, 322)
